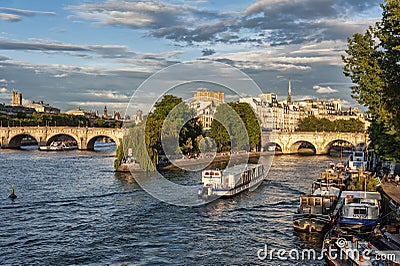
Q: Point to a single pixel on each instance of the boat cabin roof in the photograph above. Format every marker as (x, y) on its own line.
(240, 168)
(360, 205)
(360, 195)
(237, 169)
(324, 191)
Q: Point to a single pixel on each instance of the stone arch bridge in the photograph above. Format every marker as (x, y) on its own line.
(289, 142)
(11, 137)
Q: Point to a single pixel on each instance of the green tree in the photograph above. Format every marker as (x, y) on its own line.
(312, 123)
(135, 139)
(98, 122)
(179, 125)
(119, 156)
(250, 121)
(45, 120)
(188, 136)
(220, 136)
(235, 126)
(372, 63)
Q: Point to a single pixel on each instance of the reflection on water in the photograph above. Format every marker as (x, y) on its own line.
(73, 209)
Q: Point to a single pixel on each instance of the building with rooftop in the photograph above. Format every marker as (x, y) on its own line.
(205, 104)
(43, 108)
(284, 115)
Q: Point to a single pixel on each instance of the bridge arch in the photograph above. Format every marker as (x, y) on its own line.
(329, 145)
(302, 144)
(272, 146)
(57, 136)
(44, 135)
(16, 140)
(93, 139)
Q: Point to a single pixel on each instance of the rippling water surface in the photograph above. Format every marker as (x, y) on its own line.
(73, 209)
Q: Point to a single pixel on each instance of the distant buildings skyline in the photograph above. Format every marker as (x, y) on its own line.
(17, 106)
(273, 114)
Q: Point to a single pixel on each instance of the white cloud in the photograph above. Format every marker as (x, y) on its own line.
(99, 105)
(63, 75)
(271, 22)
(3, 90)
(324, 90)
(112, 95)
(9, 17)
(24, 12)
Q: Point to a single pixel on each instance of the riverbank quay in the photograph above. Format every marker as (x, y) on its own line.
(219, 161)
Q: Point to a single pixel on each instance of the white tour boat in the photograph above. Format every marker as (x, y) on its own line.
(218, 183)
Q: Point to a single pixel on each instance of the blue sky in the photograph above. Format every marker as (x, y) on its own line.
(96, 53)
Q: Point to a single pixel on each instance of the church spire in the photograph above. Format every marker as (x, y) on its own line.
(105, 111)
(289, 94)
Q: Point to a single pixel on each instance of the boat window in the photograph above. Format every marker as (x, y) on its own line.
(206, 173)
(360, 211)
(311, 201)
(303, 201)
(318, 202)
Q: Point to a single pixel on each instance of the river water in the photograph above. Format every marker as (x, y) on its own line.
(73, 209)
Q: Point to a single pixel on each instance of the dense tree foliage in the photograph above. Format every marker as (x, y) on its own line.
(312, 123)
(136, 141)
(57, 120)
(250, 121)
(119, 156)
(45, 119)
(171, 120)
(99, 122)
(372, 63)
(188, 136)
(235, 126)
(220, 136)
(359, 184)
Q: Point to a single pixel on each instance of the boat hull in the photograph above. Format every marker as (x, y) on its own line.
(311, 222)
(359, 225)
